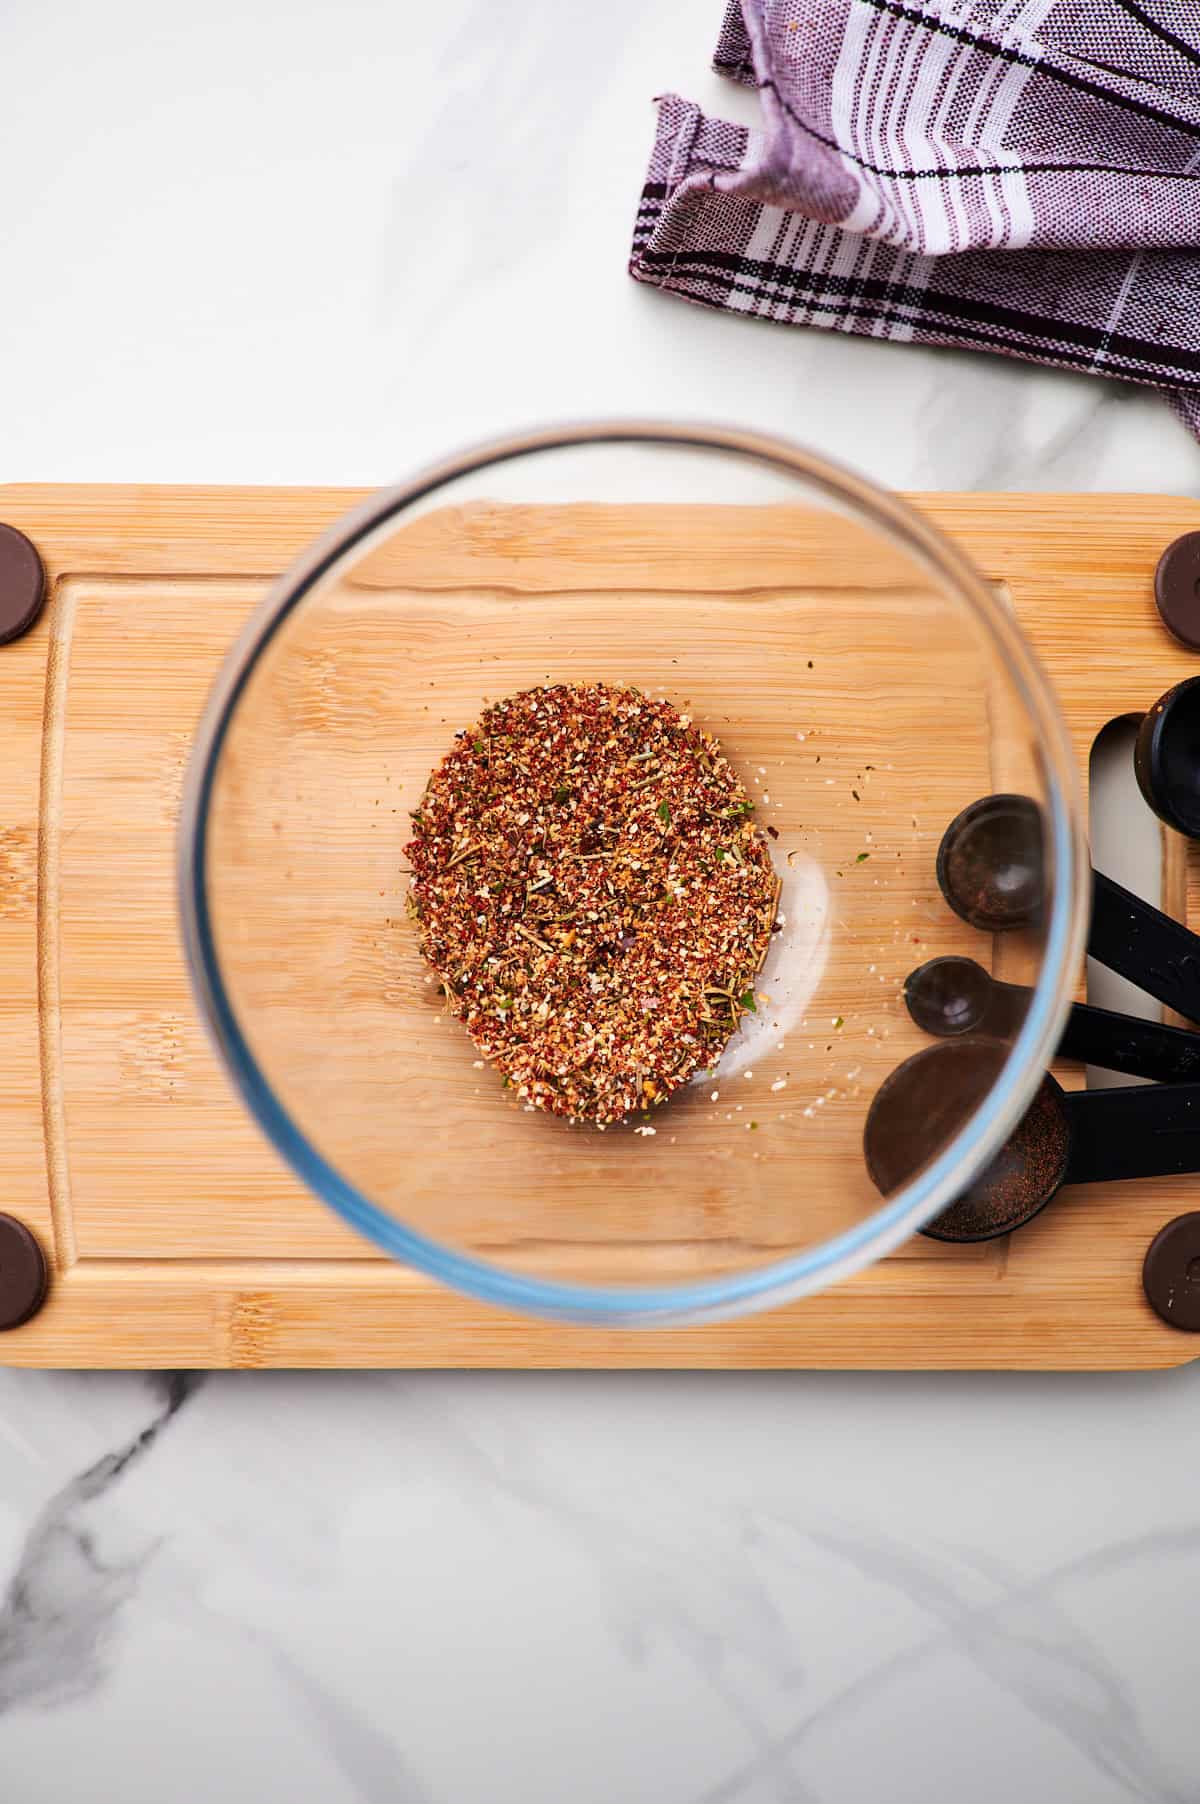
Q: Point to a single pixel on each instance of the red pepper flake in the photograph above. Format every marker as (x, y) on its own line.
(591, 891)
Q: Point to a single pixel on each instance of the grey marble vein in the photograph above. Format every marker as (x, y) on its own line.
(1026, 1644)
(63, 1599)
(369, 1760)
(1021, 1640)
(690, 1583)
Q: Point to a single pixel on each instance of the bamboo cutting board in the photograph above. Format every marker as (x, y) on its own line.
(177, 1237)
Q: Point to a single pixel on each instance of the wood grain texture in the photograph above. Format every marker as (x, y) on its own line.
(178, 1237)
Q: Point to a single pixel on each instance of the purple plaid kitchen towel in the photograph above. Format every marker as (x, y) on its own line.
(1019, 176)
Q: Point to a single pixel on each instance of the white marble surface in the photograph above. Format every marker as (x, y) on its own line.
(323, 241)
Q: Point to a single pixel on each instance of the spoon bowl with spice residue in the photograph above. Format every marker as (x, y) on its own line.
(1064, 1137)
(555, 844)
(991, 871)
(991, 863)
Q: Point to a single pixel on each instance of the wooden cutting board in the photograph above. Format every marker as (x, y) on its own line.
(176, 1235)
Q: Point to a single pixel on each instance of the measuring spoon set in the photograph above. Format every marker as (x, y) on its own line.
(989, 871)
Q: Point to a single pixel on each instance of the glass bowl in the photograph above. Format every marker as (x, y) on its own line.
(865, 683)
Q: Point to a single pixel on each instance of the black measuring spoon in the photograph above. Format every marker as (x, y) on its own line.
(950, 996)
(990, 870)
(1064, 1137)
(1166, 757)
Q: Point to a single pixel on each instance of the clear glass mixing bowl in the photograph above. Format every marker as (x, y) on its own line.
(865, 682)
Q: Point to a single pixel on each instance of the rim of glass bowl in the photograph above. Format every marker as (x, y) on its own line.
(738, 1292)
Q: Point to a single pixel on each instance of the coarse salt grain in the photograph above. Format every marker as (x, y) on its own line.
(779, 1084)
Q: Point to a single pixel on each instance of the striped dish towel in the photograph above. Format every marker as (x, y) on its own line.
(1019, 176)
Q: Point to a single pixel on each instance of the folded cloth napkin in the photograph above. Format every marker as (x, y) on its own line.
(1019, 176)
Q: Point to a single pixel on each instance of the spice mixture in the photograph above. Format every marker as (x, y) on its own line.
(590, 889)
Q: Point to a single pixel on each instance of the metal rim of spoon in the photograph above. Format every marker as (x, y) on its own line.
(951, 996)
(1064, 1137)
(989, 870)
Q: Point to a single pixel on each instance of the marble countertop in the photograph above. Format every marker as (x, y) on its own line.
(322, 242)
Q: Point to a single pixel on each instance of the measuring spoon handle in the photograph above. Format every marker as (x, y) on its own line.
(1101, 1036)
(1133, 1132)
(1141, 943)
